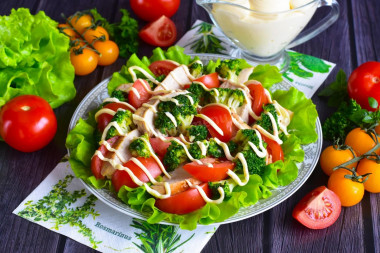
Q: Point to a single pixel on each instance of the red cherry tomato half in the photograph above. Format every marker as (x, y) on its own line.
(159, 146)
(274, 149)
(202, 172)
(161, 33)
(364, 82)
(143, 90)
(184, 202)
(222, 118)
(96, 162)
(318, 209)
(27, 123)
(121, 177)
(210, 80)
(259, 98)
(105, 118)
(162, 67)
(150, 10)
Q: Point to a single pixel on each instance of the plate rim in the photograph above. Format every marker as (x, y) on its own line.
(140, 215)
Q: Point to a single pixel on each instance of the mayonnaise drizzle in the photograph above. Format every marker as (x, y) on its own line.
(115, 100)
(115, 125)
(104, 110)
(109, 148)
(132, 69)
(172, 118)
(212, 123)
(204, 195)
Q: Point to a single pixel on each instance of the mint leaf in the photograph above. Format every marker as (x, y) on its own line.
(337, 90)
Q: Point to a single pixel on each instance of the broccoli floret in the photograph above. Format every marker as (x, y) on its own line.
(242, 138)
(125, 122)
(195, 151)
(214, 149)
(196, 69)
(198, 91)
(265, 121)
(163, 123)
(183, 113)
(255, 164)
(160, 78)
(139, 147)
(232, 98)
(233, 147)
(214, 189)
(197, 133)
(175, 155)
(229, 69)
(120, 95)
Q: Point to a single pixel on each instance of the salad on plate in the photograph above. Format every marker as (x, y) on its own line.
(192, 142)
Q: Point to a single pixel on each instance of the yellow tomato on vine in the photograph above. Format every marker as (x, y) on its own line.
(360, 141)
(334, 156)
(367, 166)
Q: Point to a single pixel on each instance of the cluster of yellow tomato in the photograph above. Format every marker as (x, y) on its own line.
(364, 174)
(91, 44)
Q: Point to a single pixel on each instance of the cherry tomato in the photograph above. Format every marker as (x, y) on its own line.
(202, 172)
(364, 82)
(274, 149)
(349, 192)
(210, 80)
(360, 141)
(150, 10)
(108, 50)
(159, 146)
(163, 67)
(161, 33)
(68, 31)
(377, 129)
(27, 123)
(222, 118)
(331, 157)
(259, 98)
(143, 91)
(96, 162)
(121, 177)
(370, 166)
(80, 23)
(184, 202)
(319, 209)
(105, 118)
(99, 32)
(84, 63)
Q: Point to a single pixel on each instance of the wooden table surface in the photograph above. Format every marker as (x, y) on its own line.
(352, 40)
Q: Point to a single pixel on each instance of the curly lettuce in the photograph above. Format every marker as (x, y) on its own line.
(34, 58)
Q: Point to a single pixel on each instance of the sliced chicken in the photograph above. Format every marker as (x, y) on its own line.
(125, 87)
(121, 146)
(176, 79)
(244, 75)
(239, 122)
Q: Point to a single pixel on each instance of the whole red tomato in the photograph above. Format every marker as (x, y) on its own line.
(364, 82)
(27, 123)
(150, 10)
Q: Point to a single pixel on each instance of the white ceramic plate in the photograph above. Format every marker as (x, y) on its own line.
(312, 152)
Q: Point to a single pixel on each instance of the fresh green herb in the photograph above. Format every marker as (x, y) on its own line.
(156, 238)
(337, 90)
(373, 103)
(55, 207)
(206, 41)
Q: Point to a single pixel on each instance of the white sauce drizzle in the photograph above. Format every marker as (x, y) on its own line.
(204, 196)
(132, 69)
(245, 171)
(172, 118)
(104, 110)
(151, 107)
(109, 148)
(115, 125)
(190, 99)
(115, 100)
(212, 123)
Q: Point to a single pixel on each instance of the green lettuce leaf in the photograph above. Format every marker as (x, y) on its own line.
(305, 114)
(266, 74)
(34, 58)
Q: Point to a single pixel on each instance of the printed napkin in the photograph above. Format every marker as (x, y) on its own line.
(62, 204)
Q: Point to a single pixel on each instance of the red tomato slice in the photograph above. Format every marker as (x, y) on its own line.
(121, 177)
(209, 174)
(210, 80)
(318, 209)
(150, 10)
(184, 202)
(96, 162)
(136, 101)
(259, 98)
(161, 33)
(162, 67)
(159, 146)
(105, 118)
(222, 117)
(274, 149)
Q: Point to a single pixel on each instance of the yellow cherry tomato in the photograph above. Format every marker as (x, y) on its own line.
(80, 23)
(98, 32)
(360, 141)
(108, 50)
(370, 166)
(68, 31)
(85, 62)
(331, 157)
(377, 129)
(349, 192)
